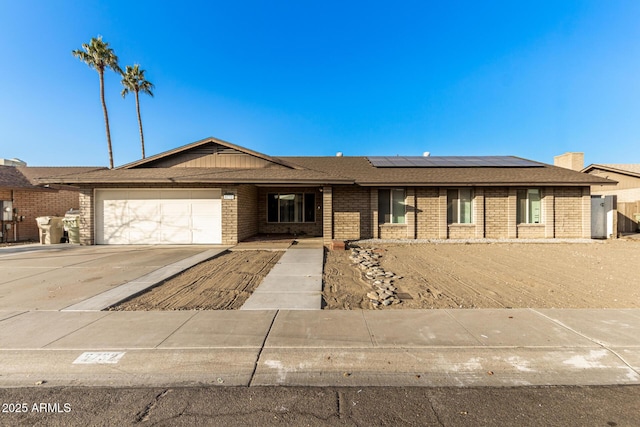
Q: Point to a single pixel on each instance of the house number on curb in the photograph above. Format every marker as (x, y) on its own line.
(99, 358)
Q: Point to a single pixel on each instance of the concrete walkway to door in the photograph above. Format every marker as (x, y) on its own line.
(294, 283)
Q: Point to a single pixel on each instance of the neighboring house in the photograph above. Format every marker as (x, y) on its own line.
(212, 191)
(23, 201)
(626, 191)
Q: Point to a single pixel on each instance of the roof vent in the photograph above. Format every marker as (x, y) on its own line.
(339, 154)
(426, 154)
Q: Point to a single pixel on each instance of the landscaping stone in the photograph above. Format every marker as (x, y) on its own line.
(367, 260)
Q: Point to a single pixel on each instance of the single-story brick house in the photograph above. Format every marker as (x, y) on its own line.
(25, 201)
(212, 191)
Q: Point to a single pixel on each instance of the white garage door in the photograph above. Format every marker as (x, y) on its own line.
(144, 216)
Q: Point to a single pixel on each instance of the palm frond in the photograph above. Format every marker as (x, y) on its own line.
(133, 80)
(98, 55)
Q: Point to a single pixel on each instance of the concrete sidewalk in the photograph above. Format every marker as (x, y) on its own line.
(294, 283)
(515, 347)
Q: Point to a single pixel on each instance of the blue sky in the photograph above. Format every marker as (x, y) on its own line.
(532, 79)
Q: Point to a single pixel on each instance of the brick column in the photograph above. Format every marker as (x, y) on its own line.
(87, 212)
(442, 214)
(375, 229)
(478, 214)
(512, 212)
(230, 217)
(410, 218)
(586, 213)
(548, 202)
(327, 215)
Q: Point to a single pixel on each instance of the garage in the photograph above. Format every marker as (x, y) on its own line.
(158, 216)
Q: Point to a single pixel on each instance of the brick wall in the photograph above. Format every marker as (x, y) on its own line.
(479, 212)
(351, 213)
(307, 228)
(496, 212)
(394, 231)
(548, 209)
(229, 216)
(462, 231)
(33, 204)
(427, 213)
(411, 214)
(327, 215)
(87, 236)
(531, 231)
(247, 211)
(568, 212)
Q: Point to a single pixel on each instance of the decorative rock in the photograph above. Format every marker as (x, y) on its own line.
(367, 260)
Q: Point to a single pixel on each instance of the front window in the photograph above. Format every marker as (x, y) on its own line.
(460, 206)
(529, 206)
(291, 207)
(391, 206)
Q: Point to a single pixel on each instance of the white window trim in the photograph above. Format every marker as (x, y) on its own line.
(472, 208)
(526, 217)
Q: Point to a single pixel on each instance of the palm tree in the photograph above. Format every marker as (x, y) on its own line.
(133, 81)
(99, 56)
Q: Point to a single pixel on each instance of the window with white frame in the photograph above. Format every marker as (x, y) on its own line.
(291, 207)
(460, 206)
(391, 206)
(529, 209)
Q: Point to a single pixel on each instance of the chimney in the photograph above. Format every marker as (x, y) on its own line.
(574, 161)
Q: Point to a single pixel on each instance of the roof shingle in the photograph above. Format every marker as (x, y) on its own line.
(338, 170)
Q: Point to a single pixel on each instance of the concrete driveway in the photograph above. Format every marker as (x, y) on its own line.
(53, 277)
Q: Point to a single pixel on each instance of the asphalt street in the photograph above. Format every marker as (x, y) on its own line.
(607, 406)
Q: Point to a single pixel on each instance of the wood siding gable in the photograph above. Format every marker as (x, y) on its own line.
(211, 155)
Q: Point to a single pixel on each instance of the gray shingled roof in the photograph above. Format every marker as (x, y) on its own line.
(29, 177)
(201, 175)
(339, 170)
(363, 173)
(11, 178)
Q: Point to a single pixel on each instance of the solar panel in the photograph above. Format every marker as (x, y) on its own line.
(451, 162)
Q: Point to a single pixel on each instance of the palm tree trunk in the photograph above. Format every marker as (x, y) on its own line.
(140, 123)
(106, 118)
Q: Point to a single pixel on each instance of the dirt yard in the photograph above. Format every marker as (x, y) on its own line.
(499, 275)
(223, 283)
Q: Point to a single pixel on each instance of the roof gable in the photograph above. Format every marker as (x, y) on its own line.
(209, 153)
(624, 169)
